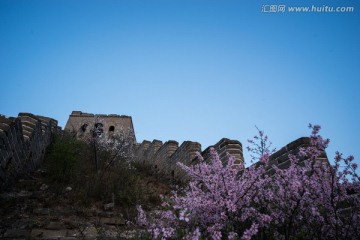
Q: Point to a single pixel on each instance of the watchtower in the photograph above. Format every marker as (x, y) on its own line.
(82, 123)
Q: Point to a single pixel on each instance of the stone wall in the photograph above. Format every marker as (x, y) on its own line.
(82, 123)
(185, 154)
(224, 147)
(151, 152)
(162, 158)
(281, 157)
(23, 141)
(140, 150)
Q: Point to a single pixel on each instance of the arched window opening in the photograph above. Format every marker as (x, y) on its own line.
(99, 129)
(83, 127)
(111, 128)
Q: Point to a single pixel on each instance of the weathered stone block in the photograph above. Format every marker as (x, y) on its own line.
(16, 233)
(22, 144)
(111, 124)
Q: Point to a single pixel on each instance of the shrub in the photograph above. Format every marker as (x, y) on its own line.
(69, 162)
(63, 159)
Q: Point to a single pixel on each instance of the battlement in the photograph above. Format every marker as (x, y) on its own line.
(82, 114)
(281, 157)
(81, 124)
(163, 158)
(23, 141)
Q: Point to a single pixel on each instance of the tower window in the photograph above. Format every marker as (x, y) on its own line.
(98, 129)
(111, 128)
(83, 127)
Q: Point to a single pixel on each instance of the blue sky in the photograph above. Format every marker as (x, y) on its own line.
(195, 70)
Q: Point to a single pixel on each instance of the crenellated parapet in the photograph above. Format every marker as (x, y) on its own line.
(151, 152)
(159, 157)
(184, 154)
(140, 151)
(23, 141)
(162, 158)
(281, 157)
(162, 163)
(225, 147)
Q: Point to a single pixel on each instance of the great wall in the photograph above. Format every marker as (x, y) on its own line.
(24, 139)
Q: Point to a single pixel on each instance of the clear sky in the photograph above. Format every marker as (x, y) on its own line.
(195, 70)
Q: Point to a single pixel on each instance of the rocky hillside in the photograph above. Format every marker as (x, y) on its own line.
(34, 209)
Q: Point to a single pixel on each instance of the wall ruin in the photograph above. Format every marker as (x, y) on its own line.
(23, 141)
(281, 157)
(82, 124)
(162, 158)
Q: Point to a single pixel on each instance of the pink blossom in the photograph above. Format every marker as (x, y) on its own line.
(354, 166)
(304, 200)
(250, 232)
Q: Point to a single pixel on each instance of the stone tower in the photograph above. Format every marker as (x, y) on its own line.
(82, 123)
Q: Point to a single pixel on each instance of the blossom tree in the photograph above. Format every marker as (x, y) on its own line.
(220, 201)
(310, 199)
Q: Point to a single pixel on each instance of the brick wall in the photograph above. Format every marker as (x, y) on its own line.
(224, 147)
(23, 141)
(162, 158)
(82, 124)
(184, 154)
(140, 151)
(151, 152)
(281, 157)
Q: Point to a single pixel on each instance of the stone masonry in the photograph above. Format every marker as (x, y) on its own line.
(23, 141)
(281, 157)
(163, 158)
(82, 123)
